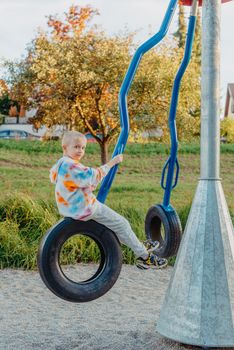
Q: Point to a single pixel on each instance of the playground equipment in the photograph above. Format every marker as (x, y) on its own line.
(109, 267)
(159, 218)
(199, 304)
(162, 215)
(162, 222)
(189, 2)
(56, 279)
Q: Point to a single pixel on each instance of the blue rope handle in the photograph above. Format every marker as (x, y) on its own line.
(123, 109)
(164, 171)
(172, 162)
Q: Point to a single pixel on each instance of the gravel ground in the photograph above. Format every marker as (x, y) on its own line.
(31, 317)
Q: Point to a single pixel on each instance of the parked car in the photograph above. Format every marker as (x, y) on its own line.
(17, 135)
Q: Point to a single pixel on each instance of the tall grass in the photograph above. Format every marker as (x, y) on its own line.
(24, 222)
(15, 251)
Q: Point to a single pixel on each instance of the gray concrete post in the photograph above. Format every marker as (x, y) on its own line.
(199, 304)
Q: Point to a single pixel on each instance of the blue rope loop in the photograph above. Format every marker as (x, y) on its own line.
(166, 166)
(163, 173)
(177, 174)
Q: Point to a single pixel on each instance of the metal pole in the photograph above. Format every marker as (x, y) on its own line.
(210, 124)
(198, 308)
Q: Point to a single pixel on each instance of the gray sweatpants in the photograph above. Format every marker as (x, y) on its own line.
(120, 226)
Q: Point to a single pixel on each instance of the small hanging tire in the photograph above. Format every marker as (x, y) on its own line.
(165, 227)
(52, 273)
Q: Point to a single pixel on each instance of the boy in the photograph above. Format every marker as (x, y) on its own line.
(74, 196)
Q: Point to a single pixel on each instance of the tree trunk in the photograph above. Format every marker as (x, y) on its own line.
(104, 152)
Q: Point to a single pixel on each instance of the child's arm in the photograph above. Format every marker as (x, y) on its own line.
(106, 168)
(85, 177)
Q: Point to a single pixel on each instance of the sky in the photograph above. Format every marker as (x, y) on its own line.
(20, 20)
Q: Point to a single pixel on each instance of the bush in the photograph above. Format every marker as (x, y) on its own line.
(24, 222)
(227, 129)
(14, 250)
(33, 218)
(183, 214)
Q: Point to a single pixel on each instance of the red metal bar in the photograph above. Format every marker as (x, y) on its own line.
(189, 2)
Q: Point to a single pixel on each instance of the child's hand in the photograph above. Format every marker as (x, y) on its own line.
(118, 159)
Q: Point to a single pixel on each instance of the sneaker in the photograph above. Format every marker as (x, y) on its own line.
(151, 245)
(153, 262)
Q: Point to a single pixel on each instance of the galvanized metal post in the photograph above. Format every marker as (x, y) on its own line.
(199, 305)
(210, 124)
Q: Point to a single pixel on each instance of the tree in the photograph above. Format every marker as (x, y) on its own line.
(180, 34)
(5, 100)
(191, 121)
(227, 129)
(72, 76)
(197, 42)
(5, 104)
(3, 88)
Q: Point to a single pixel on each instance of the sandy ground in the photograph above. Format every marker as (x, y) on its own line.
(31, 317)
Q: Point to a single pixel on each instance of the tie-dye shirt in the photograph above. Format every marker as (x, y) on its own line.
(74, 184)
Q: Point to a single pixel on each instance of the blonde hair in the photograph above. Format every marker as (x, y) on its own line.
(72, 135)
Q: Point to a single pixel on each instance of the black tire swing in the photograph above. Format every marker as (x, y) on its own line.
(162, 223)
(58, 238)
(165, 227)
(51, 270)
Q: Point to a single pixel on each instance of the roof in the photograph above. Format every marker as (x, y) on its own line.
(231, 90)
(229, 96)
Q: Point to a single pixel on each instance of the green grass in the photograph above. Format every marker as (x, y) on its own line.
(50, 147)
(27, 206)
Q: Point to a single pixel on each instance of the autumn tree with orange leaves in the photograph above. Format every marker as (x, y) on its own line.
(72, 76)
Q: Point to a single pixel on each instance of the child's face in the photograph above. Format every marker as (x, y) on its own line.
(75, 149)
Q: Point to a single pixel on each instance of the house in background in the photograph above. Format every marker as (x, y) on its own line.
(14, 118)
(21, 117)
(229, 104)
(19, 121)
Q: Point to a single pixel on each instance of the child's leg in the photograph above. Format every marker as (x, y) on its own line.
(118, 224)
